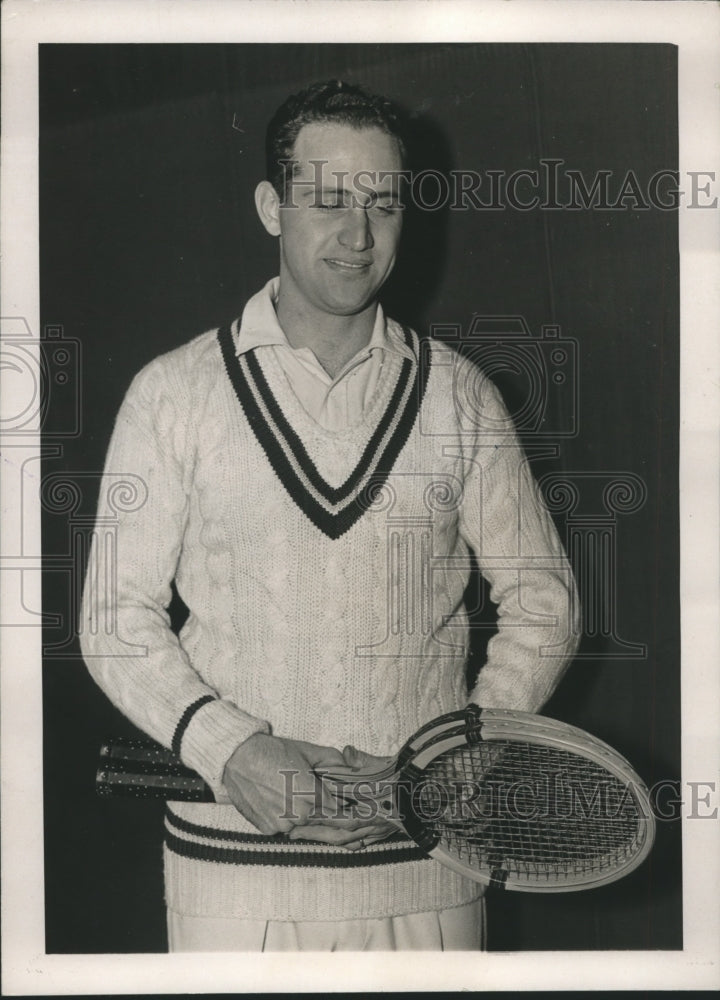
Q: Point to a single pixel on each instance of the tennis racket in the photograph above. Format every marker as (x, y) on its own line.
(509, 799)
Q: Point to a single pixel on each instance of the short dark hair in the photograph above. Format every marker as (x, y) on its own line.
(332, 101)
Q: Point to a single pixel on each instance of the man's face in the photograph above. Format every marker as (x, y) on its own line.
(341, 222)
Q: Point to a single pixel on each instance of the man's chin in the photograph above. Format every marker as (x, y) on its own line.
(348, 305)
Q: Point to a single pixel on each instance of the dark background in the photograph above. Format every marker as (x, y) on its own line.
(149, 236)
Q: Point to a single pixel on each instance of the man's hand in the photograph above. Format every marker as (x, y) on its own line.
(273, 782)
(355, 830)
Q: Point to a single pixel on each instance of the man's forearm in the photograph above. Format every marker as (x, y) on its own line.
(124, 628)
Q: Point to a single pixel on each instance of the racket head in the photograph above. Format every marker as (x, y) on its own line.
(524, 803)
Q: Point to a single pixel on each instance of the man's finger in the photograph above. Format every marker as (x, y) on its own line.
(359, 845)
(320, 756)
(351, 757)
(359, 760)
(339, 822)
(331, 834)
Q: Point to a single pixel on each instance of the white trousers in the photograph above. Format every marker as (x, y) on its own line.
(459, 929)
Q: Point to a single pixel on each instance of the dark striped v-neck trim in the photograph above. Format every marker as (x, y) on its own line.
(334, 510)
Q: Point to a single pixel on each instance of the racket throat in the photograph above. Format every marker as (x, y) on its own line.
(411, 818)
(498, 873)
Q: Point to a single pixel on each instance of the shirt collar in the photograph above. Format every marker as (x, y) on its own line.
(259, 327)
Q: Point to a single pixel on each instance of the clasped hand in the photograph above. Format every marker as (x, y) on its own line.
(275, 784)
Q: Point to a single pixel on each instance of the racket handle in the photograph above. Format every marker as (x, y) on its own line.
(145, 770)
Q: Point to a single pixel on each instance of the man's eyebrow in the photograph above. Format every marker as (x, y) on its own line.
(313, 192)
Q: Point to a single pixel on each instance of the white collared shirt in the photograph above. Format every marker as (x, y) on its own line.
(335, 403)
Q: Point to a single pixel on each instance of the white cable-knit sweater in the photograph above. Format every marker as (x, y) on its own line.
(324, 572)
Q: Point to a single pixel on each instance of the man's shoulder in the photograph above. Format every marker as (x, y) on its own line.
(184, 369)
(451, 369)
(427, 348)
(459, 384)
(194, 355)
(442, 352)
(449, 366)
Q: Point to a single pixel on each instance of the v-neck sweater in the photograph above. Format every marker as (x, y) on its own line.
(324, 572)
(336, 401)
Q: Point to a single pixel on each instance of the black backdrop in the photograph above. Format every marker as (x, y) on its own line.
(149, 156)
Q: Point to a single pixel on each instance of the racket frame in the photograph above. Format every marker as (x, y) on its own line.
(473, 725)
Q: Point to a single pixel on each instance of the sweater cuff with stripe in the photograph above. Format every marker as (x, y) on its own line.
(210, 736)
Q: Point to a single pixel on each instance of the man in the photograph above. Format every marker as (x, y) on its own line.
(315, 483)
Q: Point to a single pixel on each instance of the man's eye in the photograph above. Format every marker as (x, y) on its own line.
(380, 208)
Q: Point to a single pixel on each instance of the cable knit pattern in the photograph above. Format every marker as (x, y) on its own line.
(359, 638)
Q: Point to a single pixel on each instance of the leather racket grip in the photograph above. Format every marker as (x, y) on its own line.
(143, 769)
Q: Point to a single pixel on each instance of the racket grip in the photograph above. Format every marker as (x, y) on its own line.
(143, 769)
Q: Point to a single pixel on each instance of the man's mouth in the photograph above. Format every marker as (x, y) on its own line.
(347, 265)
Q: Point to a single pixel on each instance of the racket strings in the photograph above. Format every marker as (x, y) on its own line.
(528, 809)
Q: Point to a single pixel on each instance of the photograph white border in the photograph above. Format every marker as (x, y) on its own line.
(693, 27)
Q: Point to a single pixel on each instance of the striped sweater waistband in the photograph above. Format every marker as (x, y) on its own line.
(207, 843)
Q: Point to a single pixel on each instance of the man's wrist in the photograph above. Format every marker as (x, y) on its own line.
(236, 759)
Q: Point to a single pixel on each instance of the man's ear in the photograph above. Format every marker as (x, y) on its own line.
(267, 204)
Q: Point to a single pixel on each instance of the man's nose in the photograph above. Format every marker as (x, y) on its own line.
(355, 233)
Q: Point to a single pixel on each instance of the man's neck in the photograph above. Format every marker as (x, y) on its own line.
(332, 339)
